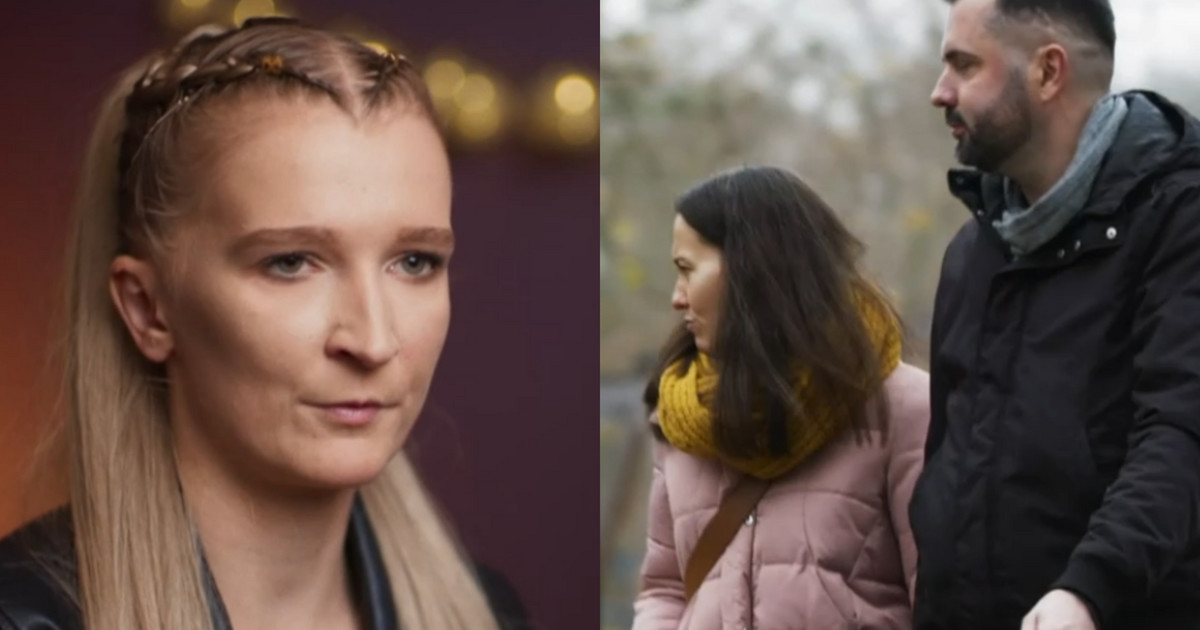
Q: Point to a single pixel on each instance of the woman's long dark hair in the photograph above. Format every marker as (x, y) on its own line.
(792, 276)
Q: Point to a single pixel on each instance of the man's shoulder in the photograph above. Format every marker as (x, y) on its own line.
(1165, 211)
(1171, 183)
(36, 572)
(957, 250)
(963, 238)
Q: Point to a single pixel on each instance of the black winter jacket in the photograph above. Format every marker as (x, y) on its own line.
(1064, 443)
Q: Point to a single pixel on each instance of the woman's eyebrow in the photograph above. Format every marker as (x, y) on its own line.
(435, 236)
(293, 236)
(314, 236)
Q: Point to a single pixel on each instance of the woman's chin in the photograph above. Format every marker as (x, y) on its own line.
(341, 466)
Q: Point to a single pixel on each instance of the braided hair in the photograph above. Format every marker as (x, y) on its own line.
(267, 53)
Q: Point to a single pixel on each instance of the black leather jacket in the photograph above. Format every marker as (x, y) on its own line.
(30, 599)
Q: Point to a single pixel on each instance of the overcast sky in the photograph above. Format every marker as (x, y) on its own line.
(1150, 33)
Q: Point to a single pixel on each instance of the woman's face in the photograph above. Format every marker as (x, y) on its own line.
(304, 298)
(700, 284)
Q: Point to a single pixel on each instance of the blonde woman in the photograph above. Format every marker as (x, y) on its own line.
(257, 300)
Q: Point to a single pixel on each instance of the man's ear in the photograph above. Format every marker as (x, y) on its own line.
(1051, 66)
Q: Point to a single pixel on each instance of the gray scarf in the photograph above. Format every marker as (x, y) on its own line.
(1027, 228)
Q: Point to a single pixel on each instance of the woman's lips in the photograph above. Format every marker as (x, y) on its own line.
(352, 413)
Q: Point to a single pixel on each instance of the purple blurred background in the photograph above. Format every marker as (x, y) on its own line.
(508, 440)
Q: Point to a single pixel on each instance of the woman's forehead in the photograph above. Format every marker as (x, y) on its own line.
(318, 164)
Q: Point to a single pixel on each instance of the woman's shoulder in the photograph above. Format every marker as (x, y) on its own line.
(907, 389)
(503, 599)
(908, 375)
(907, 396)
(35, 562)
(683, 472)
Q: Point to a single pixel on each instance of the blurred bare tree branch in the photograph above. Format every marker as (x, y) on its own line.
(868, 142)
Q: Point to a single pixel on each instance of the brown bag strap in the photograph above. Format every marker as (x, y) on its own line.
(735, 508)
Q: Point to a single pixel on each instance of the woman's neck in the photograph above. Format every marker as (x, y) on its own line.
(277, 559)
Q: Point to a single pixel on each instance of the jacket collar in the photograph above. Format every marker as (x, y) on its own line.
(1158, 134)
(368, 578)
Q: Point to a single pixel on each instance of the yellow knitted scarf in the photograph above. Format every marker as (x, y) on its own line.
(685, 404)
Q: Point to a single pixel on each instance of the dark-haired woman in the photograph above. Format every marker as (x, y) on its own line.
(789, 432)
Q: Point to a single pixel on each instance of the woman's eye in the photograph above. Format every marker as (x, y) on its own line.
(418, 264)
(287, 265)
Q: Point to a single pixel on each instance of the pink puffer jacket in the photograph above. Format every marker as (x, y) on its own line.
(829, 546)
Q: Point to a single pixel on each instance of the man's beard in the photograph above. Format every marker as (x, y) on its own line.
(998, 133)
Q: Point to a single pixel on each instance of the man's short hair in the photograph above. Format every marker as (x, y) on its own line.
(1090, 19)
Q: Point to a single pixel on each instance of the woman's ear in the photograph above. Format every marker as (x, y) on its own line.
(134, 286)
